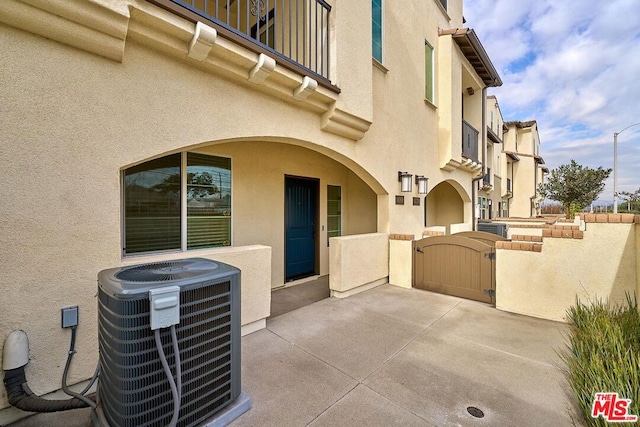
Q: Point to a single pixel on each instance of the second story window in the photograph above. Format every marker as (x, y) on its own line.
(428, 71)
(444, 4)
(376, 24)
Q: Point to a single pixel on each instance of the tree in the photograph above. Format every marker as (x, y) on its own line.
(574, 185)
(633, 199)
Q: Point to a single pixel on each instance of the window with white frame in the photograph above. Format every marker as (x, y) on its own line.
(376, 18)
(482, 207)
(334, 211)
(177, 202)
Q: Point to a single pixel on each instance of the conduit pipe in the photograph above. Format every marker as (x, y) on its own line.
(15, 357)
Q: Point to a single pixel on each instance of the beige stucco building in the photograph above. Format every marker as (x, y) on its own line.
(514, 167)
(491, 203)
(523, 168)
(135, 131)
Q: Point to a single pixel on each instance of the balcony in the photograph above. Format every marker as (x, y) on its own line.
(469, 142)
(294, 32)
(486, 181)
(509, 192)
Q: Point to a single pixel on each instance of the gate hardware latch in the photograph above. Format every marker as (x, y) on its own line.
(490, 255)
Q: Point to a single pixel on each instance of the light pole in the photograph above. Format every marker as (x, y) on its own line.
(615, 166)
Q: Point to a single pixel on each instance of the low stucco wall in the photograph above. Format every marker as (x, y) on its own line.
(519, 231)
(459, 228)
(604, 264)
(254, 262)
(357, 262)
(400, 263)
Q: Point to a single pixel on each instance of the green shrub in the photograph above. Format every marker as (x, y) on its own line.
(604, 354)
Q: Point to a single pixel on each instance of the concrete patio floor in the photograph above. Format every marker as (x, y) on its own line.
(394, 356)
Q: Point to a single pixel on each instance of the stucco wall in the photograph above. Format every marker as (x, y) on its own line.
(604, 264)
(424, 136)
(526, 174)
(71, 121)
(522, 185)
(400, 263)
(444, 206)
(496, 197)
(73, 118)
(358, 261)
(459, 228)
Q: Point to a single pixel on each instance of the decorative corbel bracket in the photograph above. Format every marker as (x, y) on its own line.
(307, 87)
(204, 38)
(262, 69)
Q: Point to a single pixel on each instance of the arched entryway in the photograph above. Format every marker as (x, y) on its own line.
(446, 205)
(293, 196)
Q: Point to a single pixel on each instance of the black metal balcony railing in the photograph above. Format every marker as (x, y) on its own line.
(469, 141)
(295, 32)
(486, 179)
(508, 185)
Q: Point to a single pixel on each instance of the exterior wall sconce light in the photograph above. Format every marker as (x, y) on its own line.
(421, 182)
(404, 178)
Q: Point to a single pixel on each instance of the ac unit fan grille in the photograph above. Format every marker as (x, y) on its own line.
(133, 386)
(162, 271)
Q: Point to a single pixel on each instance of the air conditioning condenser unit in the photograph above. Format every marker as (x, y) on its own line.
(133, 388)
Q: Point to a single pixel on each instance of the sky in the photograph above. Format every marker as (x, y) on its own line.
(574, 67)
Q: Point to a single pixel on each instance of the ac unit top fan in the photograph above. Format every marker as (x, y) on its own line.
(129, 281)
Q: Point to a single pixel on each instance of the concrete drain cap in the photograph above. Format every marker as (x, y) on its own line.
(475, 412)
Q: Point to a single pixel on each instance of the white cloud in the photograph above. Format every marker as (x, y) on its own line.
(573, 67)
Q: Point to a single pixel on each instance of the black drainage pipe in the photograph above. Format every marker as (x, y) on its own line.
(20, 396)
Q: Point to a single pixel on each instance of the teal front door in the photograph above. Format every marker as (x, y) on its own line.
(301, 201)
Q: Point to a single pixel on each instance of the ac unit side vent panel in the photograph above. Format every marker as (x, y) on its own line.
(499, 228)
(133, 387)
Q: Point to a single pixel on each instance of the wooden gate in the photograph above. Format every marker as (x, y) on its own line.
(462, 265)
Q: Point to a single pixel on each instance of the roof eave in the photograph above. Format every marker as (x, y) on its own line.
(473, 50)
(493, 137)
(512, 156)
